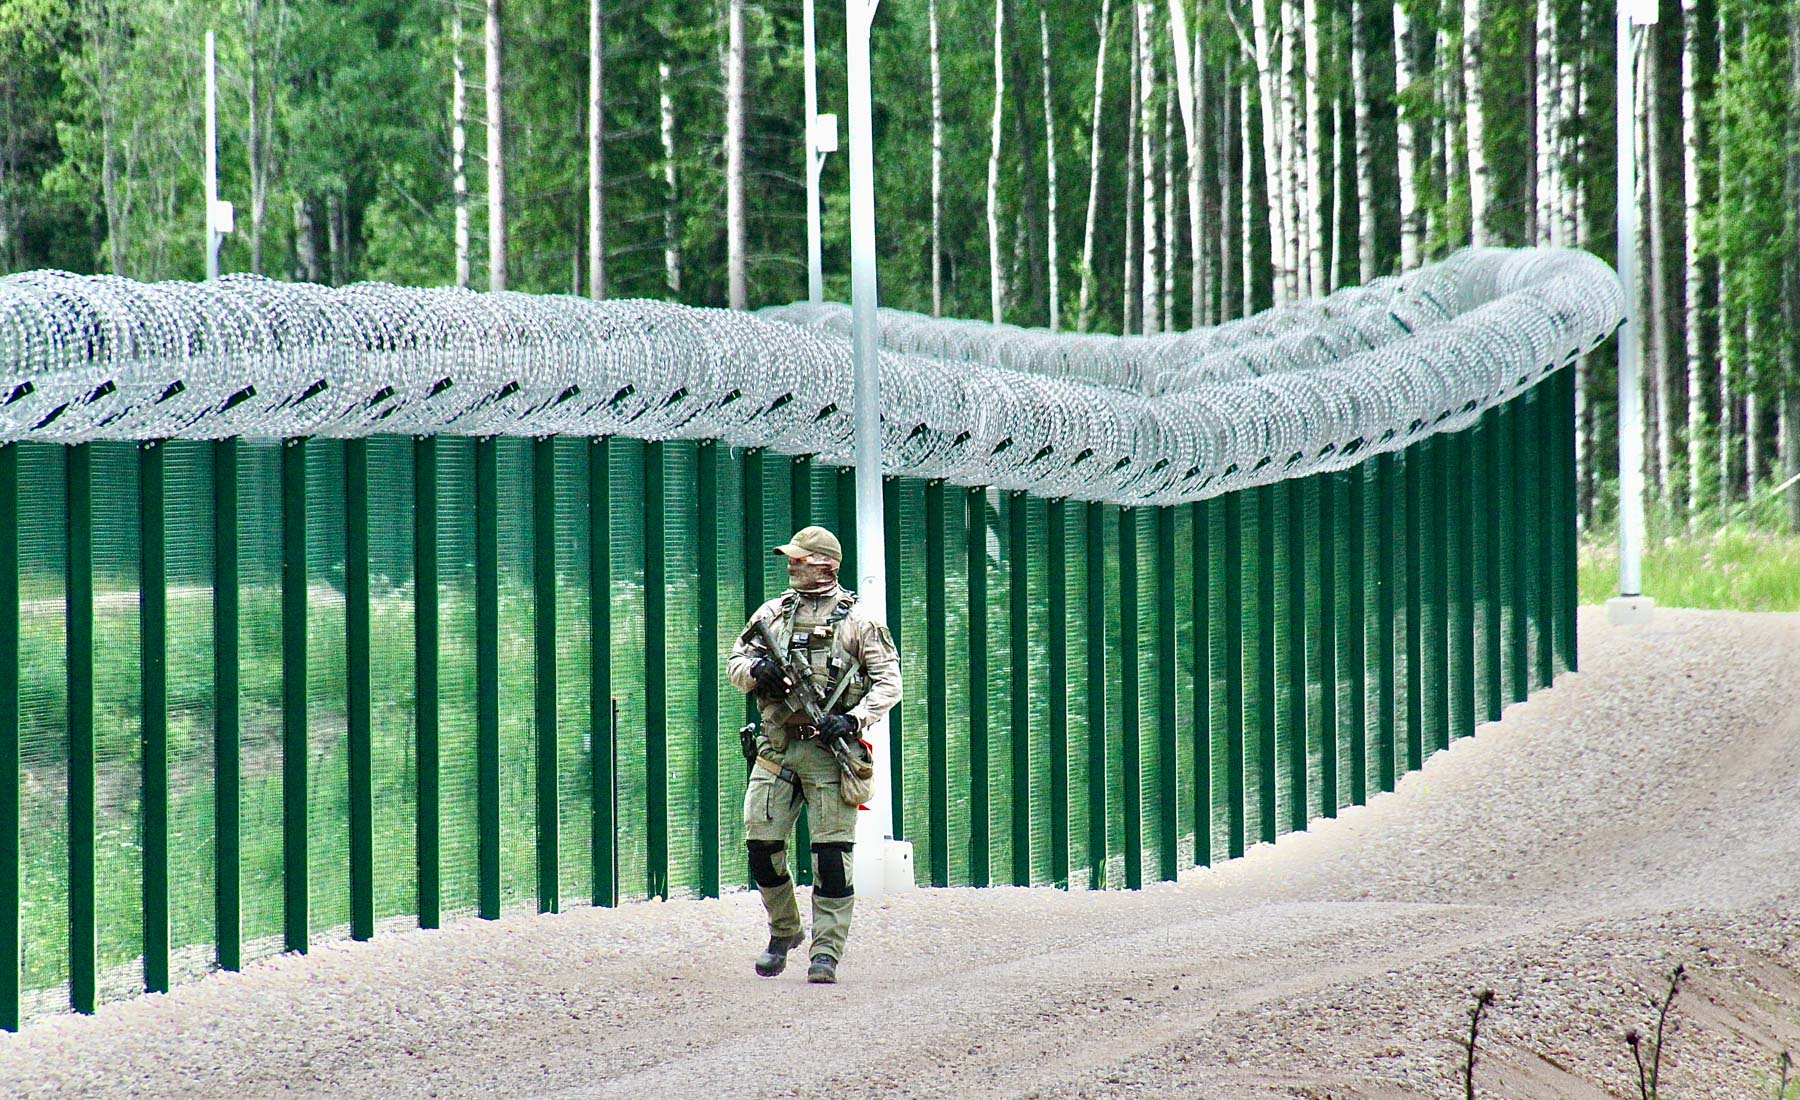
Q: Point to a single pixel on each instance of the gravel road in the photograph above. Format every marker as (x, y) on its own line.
(1641, 814)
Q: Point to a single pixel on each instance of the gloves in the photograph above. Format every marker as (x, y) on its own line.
(770, 683)
(837, 725)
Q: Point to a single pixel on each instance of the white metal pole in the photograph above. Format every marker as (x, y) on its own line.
(815, 264)
(212, 162)
(875, 828)
(1631, 398)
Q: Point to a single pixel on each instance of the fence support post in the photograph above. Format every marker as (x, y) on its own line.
(425, 676)
(980, 840)
(603, 778)
(153, 626)
(11, 945)
(1019, 608)
(1235, 673)
(356, 683)
(1096, 693)
(543, 595)
(487, 676)
(937, 699)
(1057, 579)
(294, 749)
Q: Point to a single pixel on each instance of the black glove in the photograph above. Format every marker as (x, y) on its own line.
(837, 725)
(770, 682)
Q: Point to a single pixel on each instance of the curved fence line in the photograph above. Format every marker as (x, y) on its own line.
(1130, 420)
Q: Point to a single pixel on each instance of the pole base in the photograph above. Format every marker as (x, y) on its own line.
(1629, 610)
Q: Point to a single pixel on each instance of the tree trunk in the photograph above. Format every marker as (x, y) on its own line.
(1084, 318)
(996, 271)
(596, 236)
(1170, 236)
(1407, 134)
(1050, 170)
(1545, 136)
(1128, 309)
(1571, 109)
(1274, 182)
(1365, 161)
(336, 238)
(1335, 266)
(459, 142)
(736, 263)
(1727, 352)
(1690, 188)
(1293, 179)
(671, 184)
(1790, 296)
(1247, 261)
(1476, 122)
(306, 243)
(1152, 279)
(1447, 145)
(1232, 177)
(496, 152)
(254, 139)
(1662, 365)
(1031, 204)
(1194, 138)
(937, 169)
(1314, 192)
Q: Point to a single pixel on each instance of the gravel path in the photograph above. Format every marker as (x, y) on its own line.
(1643, 813)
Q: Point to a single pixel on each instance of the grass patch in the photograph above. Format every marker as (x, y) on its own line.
(1736, 567)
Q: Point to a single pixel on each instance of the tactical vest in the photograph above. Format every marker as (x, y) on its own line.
(820, 646)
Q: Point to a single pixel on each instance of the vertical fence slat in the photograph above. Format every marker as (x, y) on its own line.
(1266, 670)
(1549, 538)
(602, 760)
(980, 841)
(1057, 585)
(1235, 674)
(356, 683)
(1437, 638)
(1518, 541)
(1354, 510)
(487, 676)
(706, 460)
(1489, 507)
(892, 528)
(425, 677)
(1415, 601)
(1466, 626)
(1019, 608)
(1096, 674)
(1294, 668)
(656, 684)
(227, 732)
(1200, 647)
(1168, 754)
(1131, 704)
(1330, 530)
(11, 911)
(543, 595)
(153, 676)
(1567, 537)
(1388, 584)
(83, 975)
(294, 750)
(937, 695)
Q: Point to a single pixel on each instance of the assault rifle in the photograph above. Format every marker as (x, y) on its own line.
(814, 705)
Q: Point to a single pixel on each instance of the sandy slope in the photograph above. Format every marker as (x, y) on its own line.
(1643, 813)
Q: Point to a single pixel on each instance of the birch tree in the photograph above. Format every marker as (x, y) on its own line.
(996, 272)
(596, 105)
(1475, 121)
(1544, 76)
(1661, 361)
(937, 167)
(496, 157)
(1274, 179)
(1129, 309)
(1152, 280)
(1050, 168)
(1314, 191)
(735, 258)
(1084, 316)
(1365, 158)
(1690, 190)
(1193, 138)
(1407, 139)
(671, 182)
(459, 176)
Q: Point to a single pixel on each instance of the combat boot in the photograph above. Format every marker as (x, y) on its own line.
(773, 960)
(823, 970)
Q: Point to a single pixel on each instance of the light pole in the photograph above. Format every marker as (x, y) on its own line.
(219, 215)
(1631, 605)
(877, 853)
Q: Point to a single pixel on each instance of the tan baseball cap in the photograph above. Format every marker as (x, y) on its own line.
(812, 540)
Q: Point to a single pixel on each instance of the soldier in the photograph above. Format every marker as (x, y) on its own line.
(817, 626)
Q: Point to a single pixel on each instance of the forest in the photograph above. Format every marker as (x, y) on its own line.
(1076, 164)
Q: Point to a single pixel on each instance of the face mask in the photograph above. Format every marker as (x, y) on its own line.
(812, 579)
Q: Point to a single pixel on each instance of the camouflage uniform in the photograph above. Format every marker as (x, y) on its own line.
(841, 637)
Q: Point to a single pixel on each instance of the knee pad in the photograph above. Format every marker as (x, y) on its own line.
(832, 877)
(762, 862)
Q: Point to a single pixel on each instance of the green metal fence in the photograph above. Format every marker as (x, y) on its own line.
(258, 695)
